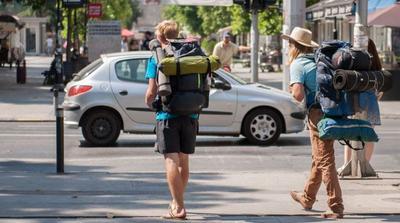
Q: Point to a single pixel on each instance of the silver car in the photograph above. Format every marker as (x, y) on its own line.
(108, 95)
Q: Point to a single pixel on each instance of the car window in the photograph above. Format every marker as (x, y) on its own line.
(86, 71)
(133, 70)
(235, 78)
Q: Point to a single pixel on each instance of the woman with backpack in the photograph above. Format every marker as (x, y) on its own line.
(303, 86)
(369, 106)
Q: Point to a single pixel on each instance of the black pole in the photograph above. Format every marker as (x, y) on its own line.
(335, 32)
(84, 33)
(58, 87)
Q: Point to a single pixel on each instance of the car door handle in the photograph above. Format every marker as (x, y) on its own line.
(123, 92)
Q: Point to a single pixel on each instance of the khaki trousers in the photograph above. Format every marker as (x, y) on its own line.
(323, 167)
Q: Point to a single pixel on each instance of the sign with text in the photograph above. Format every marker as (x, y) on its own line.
(73, 3)
(103, 37)
(196, 2)
(94, 10)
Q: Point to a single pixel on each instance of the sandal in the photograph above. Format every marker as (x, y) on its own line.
(332, 215)
(172, 216)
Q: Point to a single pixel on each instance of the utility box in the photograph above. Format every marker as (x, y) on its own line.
(103, 37)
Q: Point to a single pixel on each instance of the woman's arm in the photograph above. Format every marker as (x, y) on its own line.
(297, 90)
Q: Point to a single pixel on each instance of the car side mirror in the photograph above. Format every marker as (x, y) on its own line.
(218, 84)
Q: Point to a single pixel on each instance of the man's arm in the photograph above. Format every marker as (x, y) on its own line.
(151, 92)
(297, 90)
(244, 48)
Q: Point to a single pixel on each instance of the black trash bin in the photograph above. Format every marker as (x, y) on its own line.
(68, 69)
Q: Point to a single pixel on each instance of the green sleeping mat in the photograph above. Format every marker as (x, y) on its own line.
(189, 65)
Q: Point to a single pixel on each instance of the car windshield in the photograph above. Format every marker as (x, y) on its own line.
(234, 77)
(85, 72)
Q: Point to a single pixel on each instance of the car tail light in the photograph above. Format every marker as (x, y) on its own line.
(79, 89)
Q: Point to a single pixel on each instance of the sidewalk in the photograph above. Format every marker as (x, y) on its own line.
(26, 102)
(34, 102)
(210, 196)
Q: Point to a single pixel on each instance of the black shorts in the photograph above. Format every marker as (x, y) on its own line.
(176, 135)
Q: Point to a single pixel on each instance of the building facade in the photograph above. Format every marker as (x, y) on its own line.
(331, 19)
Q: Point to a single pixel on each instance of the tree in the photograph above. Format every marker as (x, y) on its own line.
(311, 2)
(186, 16)
(241, 21)
(214, 18)
(205, 20)
(271, 20)
(127, 11)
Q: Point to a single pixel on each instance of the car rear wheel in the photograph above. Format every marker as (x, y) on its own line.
(101, 128)
(262, 126)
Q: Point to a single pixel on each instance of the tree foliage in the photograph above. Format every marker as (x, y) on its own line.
(205, 20)
(127, 11)
(311, 2)
(187, 16)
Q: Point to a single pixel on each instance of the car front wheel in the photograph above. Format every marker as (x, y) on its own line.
(262, 126)
(101, 128)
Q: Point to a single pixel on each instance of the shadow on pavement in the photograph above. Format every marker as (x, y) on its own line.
(207, 142)
(34, 190)
(33, 92)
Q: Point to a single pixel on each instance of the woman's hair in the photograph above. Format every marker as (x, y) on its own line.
(375, 61)
(167, 29)
(297, 49)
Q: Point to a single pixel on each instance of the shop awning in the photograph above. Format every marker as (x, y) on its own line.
(329, 8)
(126, 33)
(8, 23)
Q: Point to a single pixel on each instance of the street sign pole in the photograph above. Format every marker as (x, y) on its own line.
(254, 45)
(59, 113)
(293, 15)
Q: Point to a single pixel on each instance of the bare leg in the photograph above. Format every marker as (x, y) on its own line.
(369, 149)
(184, 168)
(175, 183)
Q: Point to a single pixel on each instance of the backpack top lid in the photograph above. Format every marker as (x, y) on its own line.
(328, 48)
(185, 47)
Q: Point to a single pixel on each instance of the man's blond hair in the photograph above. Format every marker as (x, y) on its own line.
(168, 29)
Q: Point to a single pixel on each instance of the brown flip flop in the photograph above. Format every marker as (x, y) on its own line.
(171, 216)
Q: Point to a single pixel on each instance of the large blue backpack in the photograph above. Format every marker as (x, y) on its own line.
(333, 103)
(338, 104)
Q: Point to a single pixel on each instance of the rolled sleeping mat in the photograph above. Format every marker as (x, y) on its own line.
(356, 81)
(189, 65)
(163, 85)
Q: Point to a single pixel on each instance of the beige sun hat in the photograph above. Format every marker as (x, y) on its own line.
(301, 36)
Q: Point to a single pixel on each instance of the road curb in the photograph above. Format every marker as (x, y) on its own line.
(26, 120)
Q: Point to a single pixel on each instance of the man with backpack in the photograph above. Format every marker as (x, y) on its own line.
(303, 85)
(176, 133)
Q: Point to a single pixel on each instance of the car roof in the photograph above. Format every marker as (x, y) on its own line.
(126, 54)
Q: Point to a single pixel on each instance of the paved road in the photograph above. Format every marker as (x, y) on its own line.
(231, 180)
(36, 142)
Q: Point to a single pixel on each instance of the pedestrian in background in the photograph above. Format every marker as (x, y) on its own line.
(148, 36)
(225, 50)
(176, 135)
(49, 44)
(303, 86)
(369, 106)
